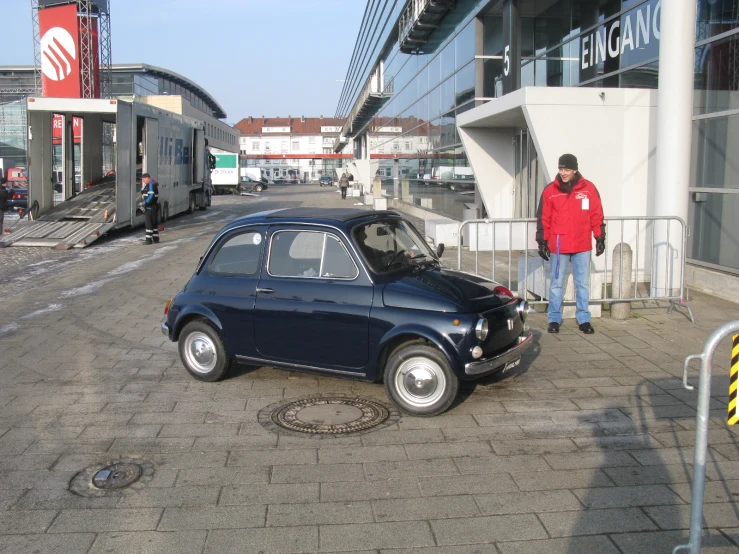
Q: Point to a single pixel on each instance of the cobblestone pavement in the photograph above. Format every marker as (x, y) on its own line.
(586, 448)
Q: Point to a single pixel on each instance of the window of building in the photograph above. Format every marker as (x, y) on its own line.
(396, 146)
(283, 146)
(296, 145)
(327, 150)
(311, 140)
(255, 145)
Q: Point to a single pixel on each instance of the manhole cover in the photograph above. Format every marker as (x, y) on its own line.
(326, 415)
(117, 476)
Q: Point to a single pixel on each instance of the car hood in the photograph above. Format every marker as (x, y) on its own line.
(441, 290)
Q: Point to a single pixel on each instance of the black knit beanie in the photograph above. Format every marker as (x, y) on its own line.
(568, 161)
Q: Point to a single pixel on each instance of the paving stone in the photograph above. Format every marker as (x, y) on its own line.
(171, 497)
(500, 464)
(352, 492)
(415, 509)
(271, 539)
(204, 430)
(657, 541)
(466, 484)
(315, 513)
(542, 406)
(21, 522)
(98, 521)
(375, 535)
(35, 479)
(491, 433)
(569, 479)
(534, 446)
(527, 502)
(570, 545)
(212, 476)
(487, 529)
(60, 499)
(235, 443)
(624, 497)
(272, 494)
(388, 437)
(595, 522)
(414, 468)
(220, 517)
(317, 473)
(588, 460)
(133, 446)
(149, 542)
(650, 475)
(58, 544)
(332, 455)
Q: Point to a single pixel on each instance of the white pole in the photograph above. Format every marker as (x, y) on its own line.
(674, 126)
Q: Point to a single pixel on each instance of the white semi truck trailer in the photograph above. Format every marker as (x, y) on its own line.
(85, 183)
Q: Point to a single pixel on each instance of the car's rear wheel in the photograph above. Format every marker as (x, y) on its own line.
(191, 204)
(258, 188)
(202, 352)
(419, 380)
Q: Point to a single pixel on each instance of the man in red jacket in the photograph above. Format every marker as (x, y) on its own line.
(569, 215)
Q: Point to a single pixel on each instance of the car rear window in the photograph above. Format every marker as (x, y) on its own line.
(239, 255)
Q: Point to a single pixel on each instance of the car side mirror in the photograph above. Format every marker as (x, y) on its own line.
(440, 250)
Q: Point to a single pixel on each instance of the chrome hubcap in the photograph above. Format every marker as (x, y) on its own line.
(420, 381)
(200, 352)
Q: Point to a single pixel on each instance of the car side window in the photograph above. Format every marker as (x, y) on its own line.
(309, 254)
(239, 255)
(336, 260)
(296, 254)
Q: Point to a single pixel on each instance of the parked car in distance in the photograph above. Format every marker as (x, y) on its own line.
(17, 198)
(344, 292)
(248, 184)
(326, 180)
(280, 181)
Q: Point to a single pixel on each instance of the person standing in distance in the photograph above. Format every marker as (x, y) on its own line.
(150, 194)
(343, 184)
(570, 213)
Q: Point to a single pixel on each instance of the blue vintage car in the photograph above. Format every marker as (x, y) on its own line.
(344, 292)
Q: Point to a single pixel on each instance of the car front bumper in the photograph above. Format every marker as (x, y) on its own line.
(489, 365)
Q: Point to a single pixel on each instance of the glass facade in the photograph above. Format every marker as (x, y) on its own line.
(13, 134)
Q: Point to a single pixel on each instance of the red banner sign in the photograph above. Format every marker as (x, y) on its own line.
(60, 52)
(58, 125)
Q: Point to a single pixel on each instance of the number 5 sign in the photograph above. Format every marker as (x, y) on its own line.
(506, 60)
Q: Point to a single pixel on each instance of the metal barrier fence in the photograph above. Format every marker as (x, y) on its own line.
(701, 432)
(657, 273)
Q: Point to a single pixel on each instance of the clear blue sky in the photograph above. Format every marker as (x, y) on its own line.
(256, 57)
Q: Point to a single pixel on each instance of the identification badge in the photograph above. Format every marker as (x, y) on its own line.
(586, 203)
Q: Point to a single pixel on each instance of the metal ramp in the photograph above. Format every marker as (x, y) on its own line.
(74, 223)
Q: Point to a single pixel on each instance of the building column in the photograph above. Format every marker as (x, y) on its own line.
(674, 128)
(396, 179)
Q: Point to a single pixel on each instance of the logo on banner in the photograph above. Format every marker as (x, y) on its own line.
(58, 51)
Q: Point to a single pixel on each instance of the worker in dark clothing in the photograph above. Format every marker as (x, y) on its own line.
(150, 195)
(343, 185)
(3, 201)
(570, 214)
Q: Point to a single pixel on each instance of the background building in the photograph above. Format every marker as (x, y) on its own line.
(288, 147)
(434, 62)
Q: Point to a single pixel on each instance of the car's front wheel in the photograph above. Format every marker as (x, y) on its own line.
(202, 352)
(419, 380)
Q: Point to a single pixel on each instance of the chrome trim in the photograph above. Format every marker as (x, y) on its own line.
(523, 309)
(480, 329)
(165, 329)
(491, 364)
(273, 363)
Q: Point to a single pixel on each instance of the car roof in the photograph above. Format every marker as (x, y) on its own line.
(333, 214)
(305, 215)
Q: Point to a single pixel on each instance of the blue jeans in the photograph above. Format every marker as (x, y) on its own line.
(581, 272)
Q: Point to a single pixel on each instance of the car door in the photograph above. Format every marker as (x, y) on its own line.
(233, 274)
(313, 301)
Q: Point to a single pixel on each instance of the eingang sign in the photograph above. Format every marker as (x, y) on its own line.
(632, 38)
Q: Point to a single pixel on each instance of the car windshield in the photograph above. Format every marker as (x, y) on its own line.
(390, 245)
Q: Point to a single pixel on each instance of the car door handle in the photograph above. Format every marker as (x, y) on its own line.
(259, 289)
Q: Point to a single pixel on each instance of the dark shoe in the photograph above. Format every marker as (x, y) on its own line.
(145, 241)
(553, 327)
(587, 328)
(156, 241)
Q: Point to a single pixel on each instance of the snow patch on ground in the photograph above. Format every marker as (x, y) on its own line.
(48, 309)
(9, 328)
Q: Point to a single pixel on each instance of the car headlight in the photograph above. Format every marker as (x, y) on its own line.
(523, 309)
(481, 329)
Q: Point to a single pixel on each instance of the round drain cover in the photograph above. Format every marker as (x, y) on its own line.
(326, 415)
(117, 476)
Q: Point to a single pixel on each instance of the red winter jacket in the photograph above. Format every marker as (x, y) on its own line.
(572, 213)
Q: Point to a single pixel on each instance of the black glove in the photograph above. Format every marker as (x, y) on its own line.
(544, 251)
(600, 246)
